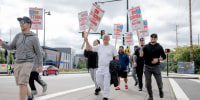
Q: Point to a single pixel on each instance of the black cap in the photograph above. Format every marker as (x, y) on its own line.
(27, 19)
(154, 35)
(141, 39)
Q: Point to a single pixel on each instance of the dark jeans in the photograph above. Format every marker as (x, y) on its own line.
(139, 71)
(35, 76)
(155, 70)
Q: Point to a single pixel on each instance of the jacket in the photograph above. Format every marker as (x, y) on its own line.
(27, 48)
(151, 52)
(92, 61)
(124, 61)
(114, 68)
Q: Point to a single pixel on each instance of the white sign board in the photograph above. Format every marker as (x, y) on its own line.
(135, 17)
(36, 15)
(95, 17)
(82, 16)
(117, 31)
(128, 38)
(144, 31)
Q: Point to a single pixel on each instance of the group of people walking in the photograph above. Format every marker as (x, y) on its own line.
(28, 62)
(146, 59)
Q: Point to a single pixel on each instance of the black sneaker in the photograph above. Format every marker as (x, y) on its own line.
(150, 98)
(97, 91)
(136, 83)
(105, 98)
(161, 93)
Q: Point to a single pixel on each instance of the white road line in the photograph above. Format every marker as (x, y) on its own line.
(195, 80)
(180, 95)
(62, 93)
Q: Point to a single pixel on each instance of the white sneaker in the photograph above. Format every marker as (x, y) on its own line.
(34, 92)
(44, 88)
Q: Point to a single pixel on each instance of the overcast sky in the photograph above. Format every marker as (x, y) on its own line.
(62, 27)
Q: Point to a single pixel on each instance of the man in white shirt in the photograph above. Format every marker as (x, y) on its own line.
(106, 52)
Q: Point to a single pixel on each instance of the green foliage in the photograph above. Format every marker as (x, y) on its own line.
(10, 58)
(81, 64)
(2, 59)
(183, 54)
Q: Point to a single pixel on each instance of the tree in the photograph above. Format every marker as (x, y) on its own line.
(183, 54)
(10, 58)
(2, 59)
(81, 64)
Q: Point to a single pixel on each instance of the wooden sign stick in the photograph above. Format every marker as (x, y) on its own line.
(85, 37)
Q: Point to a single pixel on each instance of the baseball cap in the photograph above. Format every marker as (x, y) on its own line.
(141, 39)
(154, 35)
(27, 19)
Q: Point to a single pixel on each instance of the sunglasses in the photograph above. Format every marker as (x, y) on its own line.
(153, 37)
(22, 22)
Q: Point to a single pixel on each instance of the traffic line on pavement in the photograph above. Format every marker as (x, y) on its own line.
(62, 93)
(194, 80)
(180, 95)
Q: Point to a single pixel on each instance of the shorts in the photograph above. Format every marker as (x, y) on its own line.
(22, 72)
(122, 74)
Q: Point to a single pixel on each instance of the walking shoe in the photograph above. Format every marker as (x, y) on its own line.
(30, 97)
(161, 93)
(44, 88)
(140, 89)
(117, 88)
(150, 98)
(97, 91)
(126, 86)
(136, 83)
(105, 98)
(34, 92)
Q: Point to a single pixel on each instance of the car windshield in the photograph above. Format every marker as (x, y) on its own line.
(45, 67)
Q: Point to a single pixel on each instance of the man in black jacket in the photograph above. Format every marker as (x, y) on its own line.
(92, 63)
(153, 53)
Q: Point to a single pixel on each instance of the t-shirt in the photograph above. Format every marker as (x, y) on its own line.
(139, 60)
(105, 54)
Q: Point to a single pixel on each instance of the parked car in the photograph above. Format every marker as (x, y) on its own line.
(49, 69)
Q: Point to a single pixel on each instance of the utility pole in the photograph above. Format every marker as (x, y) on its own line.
(191, 47)
(127, 18)
(198, 39)
(176, 37)
(10, 35)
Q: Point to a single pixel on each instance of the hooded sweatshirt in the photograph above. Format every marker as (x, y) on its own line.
(27, 47)
(36, 62)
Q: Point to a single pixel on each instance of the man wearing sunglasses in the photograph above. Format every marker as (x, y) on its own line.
(153, 53)
(27, 48)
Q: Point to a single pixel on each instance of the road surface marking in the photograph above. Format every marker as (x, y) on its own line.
(180, 95)
(194, 80)
(46, 97)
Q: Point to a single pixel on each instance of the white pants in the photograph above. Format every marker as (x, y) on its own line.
(103, 80)
(93, 76)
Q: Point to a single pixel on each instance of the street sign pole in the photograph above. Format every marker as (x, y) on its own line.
(167, 65)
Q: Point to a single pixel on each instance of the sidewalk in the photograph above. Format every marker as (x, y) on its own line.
(182, 76)
(131, 94)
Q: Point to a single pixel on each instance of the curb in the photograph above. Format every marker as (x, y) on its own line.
(181, 77)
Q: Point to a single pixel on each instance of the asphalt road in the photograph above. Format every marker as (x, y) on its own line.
(191, 87)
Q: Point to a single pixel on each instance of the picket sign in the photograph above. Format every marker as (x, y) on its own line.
(94, 19)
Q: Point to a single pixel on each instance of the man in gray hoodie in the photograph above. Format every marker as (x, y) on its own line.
(27, 48)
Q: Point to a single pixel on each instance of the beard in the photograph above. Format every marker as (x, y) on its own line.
(23, 29)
